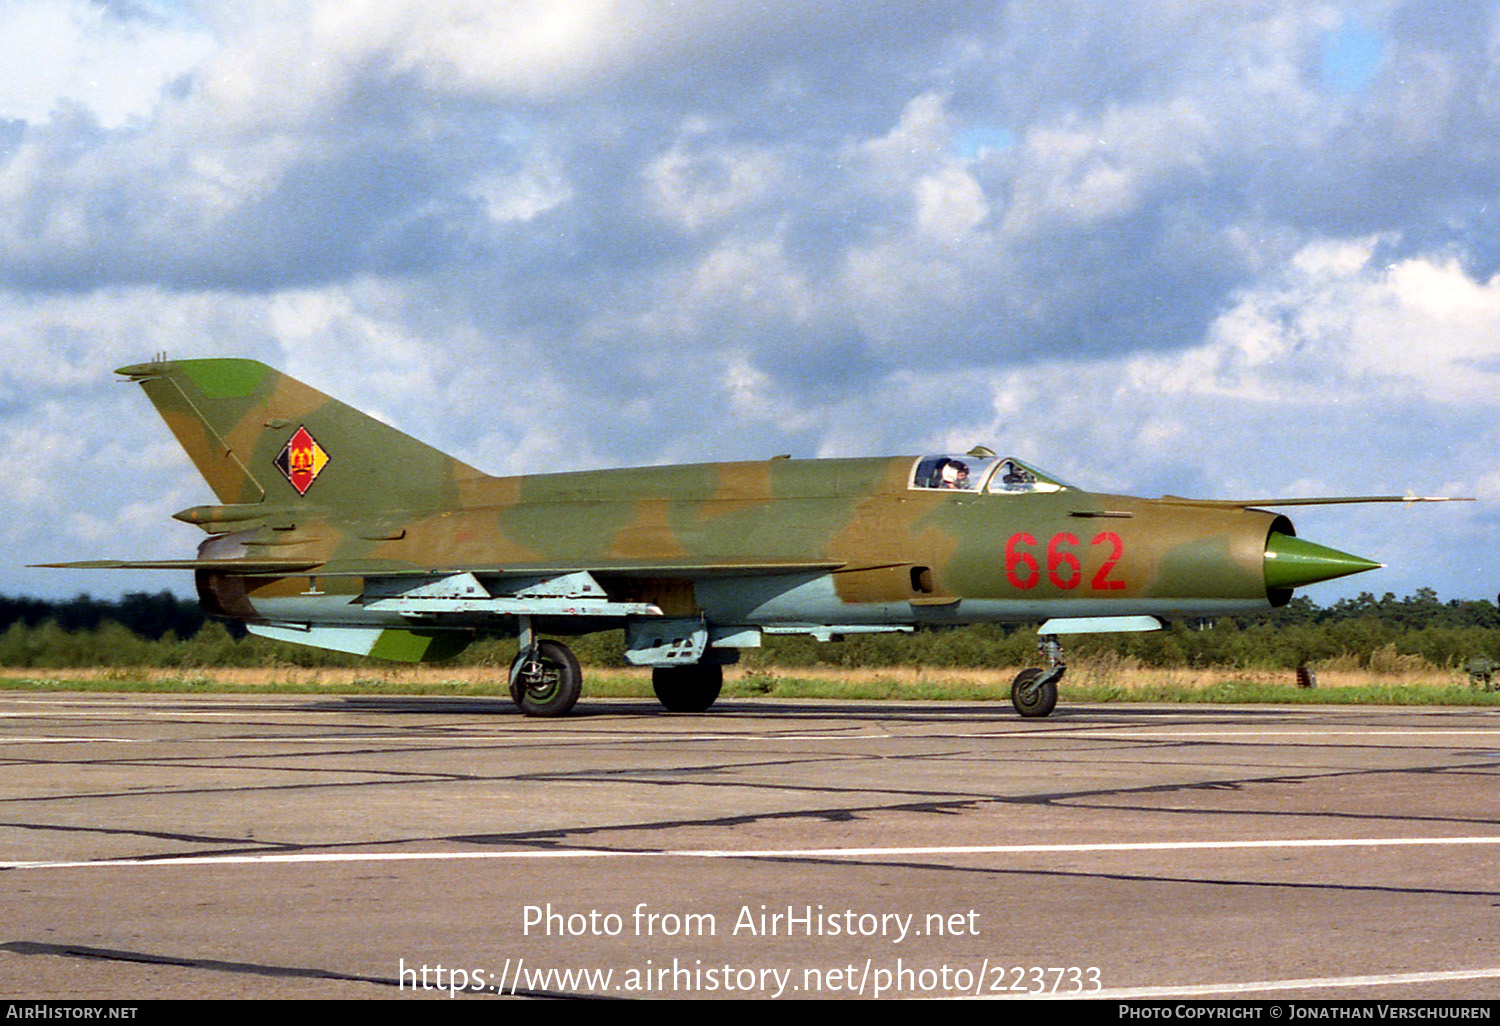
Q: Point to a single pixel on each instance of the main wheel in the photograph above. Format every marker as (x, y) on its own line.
(687, 688)
(548, 683)
(1030, 698)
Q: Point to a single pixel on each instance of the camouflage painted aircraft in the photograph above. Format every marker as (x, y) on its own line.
(335, 530)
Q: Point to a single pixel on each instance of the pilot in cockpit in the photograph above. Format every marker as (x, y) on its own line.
(1016, 477)
(955, 474)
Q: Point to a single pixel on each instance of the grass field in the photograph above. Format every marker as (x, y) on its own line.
(1105, 680)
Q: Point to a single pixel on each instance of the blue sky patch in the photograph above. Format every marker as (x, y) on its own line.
(972, 142)
(1350, 60)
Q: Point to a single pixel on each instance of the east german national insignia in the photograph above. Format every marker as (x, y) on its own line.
(302, 460)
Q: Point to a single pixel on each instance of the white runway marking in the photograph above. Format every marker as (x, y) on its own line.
(1314, 732)
(772, 853)
(44, 740)
(474, 739)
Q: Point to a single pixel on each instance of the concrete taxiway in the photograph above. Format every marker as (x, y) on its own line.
(316, 847)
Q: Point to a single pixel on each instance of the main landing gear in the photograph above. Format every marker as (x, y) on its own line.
(690, 688)
(1034, 692)
(545, 680)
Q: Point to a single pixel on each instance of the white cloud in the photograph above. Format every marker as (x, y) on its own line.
(524, 195)
(611, 232)
(755, 396)
(752, 279)
(114, 65)
(1084, 173)
(950, 204)
(1339, 323)
(923, 135)
(696, 187)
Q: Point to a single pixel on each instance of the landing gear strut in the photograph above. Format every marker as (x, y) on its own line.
(545, 679)
(1034, 692)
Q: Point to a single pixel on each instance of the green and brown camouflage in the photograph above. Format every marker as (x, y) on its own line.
(337, 530)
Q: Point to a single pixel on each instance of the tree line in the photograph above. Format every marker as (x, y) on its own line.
(1387, 632)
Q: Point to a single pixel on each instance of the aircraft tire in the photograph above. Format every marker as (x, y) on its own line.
(1030, 701)
(687, 689)
(553, 685)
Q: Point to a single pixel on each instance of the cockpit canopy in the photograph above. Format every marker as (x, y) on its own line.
(980, 471)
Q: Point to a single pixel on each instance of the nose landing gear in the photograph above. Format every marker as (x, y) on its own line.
(1034, 691)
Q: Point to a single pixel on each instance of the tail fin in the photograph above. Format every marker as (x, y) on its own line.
(258, 436)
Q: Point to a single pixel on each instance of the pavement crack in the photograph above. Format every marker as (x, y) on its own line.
(241, 968)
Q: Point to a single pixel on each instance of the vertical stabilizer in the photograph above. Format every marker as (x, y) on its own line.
(257, 435)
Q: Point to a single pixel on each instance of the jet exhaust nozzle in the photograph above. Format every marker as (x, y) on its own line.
(1292, 562)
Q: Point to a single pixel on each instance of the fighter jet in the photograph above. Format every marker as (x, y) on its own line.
(335, 530)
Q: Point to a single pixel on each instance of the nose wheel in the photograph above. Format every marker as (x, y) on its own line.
(1034, 691)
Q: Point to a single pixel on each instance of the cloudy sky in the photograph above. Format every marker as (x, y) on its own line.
(1217, 249)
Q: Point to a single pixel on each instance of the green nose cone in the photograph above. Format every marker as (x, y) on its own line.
(1292, 562)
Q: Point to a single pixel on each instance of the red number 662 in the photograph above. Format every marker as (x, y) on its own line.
(1064, 565)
